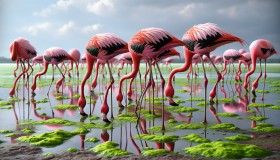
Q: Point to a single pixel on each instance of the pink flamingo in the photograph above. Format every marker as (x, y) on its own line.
(147, 44)
(201, 39)
(37, 60)
(219, 60)
(247, 62)
(75, 54)
(52, 56)
(260, 49)
(15, 70)
(124, 58)
(195, 60)
(21, 50)
(83, 60)
(167, 61)
(105, 47)
(230, 56)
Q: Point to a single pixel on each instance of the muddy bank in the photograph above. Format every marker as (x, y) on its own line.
(22, 152)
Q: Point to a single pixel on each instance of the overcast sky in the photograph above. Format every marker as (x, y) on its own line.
(71, 23)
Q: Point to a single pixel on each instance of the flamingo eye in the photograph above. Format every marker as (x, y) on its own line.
(272, 50)
(264, 50)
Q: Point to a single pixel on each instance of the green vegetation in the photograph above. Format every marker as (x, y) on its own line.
(156, 152)
(195, 99)
(157, 138)
(93, 139)
(108, 149)
(72, 150)
(239, 137)
(44, 100)
(6, 131)
(127, 118)
(262, 91)
(224, 126)
(66, 106)
(189, 126)
(259, 105)
(275, 107)
(226, 114)
(195, 138)
(227, 150)
(48, 154)
(257, 118)
(27, 130)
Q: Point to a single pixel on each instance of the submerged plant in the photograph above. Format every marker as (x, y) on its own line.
(226, 114)
(238, 137)
(157, 138)
(108, 149)
(195, 138)
(224, 126)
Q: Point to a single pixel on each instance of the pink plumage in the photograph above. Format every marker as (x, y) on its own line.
(21, 48)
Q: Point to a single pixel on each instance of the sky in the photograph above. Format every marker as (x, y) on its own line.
(71, 23)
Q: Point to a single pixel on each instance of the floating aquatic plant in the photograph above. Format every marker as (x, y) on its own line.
(108, 149)
(262, 91)
(257, 118)
(126, 117)
(27, 130)
(157, 138)
(275, 107)
(238, 137)
(171, 121)
(94, 118)
(259, 105)
(227, 150)
(267, 129)
(195, 138)
(44, 100)
(6, 107)
(6, 131)
(195, 99)
(156, 152)
(226, 100)
(93, 139)
(227, 114)
(224, 126)
(189, 126)
(48, 154)
(61, 97)
(72, 149)
(66, 106)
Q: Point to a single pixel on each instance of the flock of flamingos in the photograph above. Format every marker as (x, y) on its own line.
(151, 45)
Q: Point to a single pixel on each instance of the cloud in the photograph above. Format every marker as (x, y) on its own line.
(66, 27)
(190, 9)
(34, 29)
(91, 28)
(53, 8)
(100, 7)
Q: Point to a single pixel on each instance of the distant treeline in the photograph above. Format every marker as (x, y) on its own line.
(269, 60)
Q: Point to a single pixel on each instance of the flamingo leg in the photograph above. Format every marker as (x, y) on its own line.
(51, 81)
(12, 91)
(256, 82)
(205, 90)
(59, 82)
(162, 95)
(219, 77)
(264, 78)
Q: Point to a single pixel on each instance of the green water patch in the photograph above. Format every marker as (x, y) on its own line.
(72, 150)
(27, 130)
(275, 90)
(126, 118)
(157, 138)
(158, 129)
(11, 135)
(226, 114)
(195, 99)
(48, 154)
(171, 121)
(262, 91)
(181, 90)
(156, 152)
(14, 99)
(92, 118)
(275, 107)
(76, 96)
(266, 129)
(178, 101)
(5, 103)
(61, 97)
(155, 98)
(6, 107)
(48, 139)
(180, 109)
(80, 130)
(108, 149)
(189, 126)
(257, 118)
(224, 126)
(195, 138)
(93, 140)
(254, 105)
(44, 100)
(151, 116)
(225, 100)
(238, 137)
(201, 104)
(65, 106)
(227, 150)
(6, 131)
(54, 121)
(264, 125)
(251, 111)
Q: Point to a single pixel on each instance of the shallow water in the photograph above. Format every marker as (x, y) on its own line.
(121, 133)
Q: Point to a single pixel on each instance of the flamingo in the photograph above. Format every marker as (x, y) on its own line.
(147, 44)
(201, 39)
(124, 58)
(260, 49)
(83, 60)
(21, 50)
(219, 60)
(247, 62)
(105, 47)
(38, 60)
(75, 54)
(52, 56)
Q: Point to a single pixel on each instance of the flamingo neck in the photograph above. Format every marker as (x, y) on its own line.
(46, 65)
(254, 59)
(90, 62)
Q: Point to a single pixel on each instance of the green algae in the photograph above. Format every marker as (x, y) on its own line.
(94, 118)
(6, 131)
(171, 121)
(72, 150)
(195, 138)
(224, 126)
(189, 126)
(156, 152)
(5, 103)
(61, 97)
(155, 98)
(158, 129)
(259, 105)
(238, 137)
(257, 118)
(228, 150)
(80, 131)
(149, 116)
(48, 154)
(14, 99)
(201, 104)
(127, 118)
(226, 100)
(157, 138)
(54, 121)
(185, 110)
(48, 139)
(76, 96)
(27, 130)
(178, 101)
(44, 100)
(1, 141)
(108, 149)
(262, 91)
(66, 106)
(226, 114)
(6, 107)
(195, 99)
(181, 90)
(275, 107)
(266, 129)
(264, 125)
(93, 139)
(251, 111)
(11, 135)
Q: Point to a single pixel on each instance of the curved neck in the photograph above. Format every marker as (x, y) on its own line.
(254, 59)
(136, 64)
(188, 61)
(87, 75)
